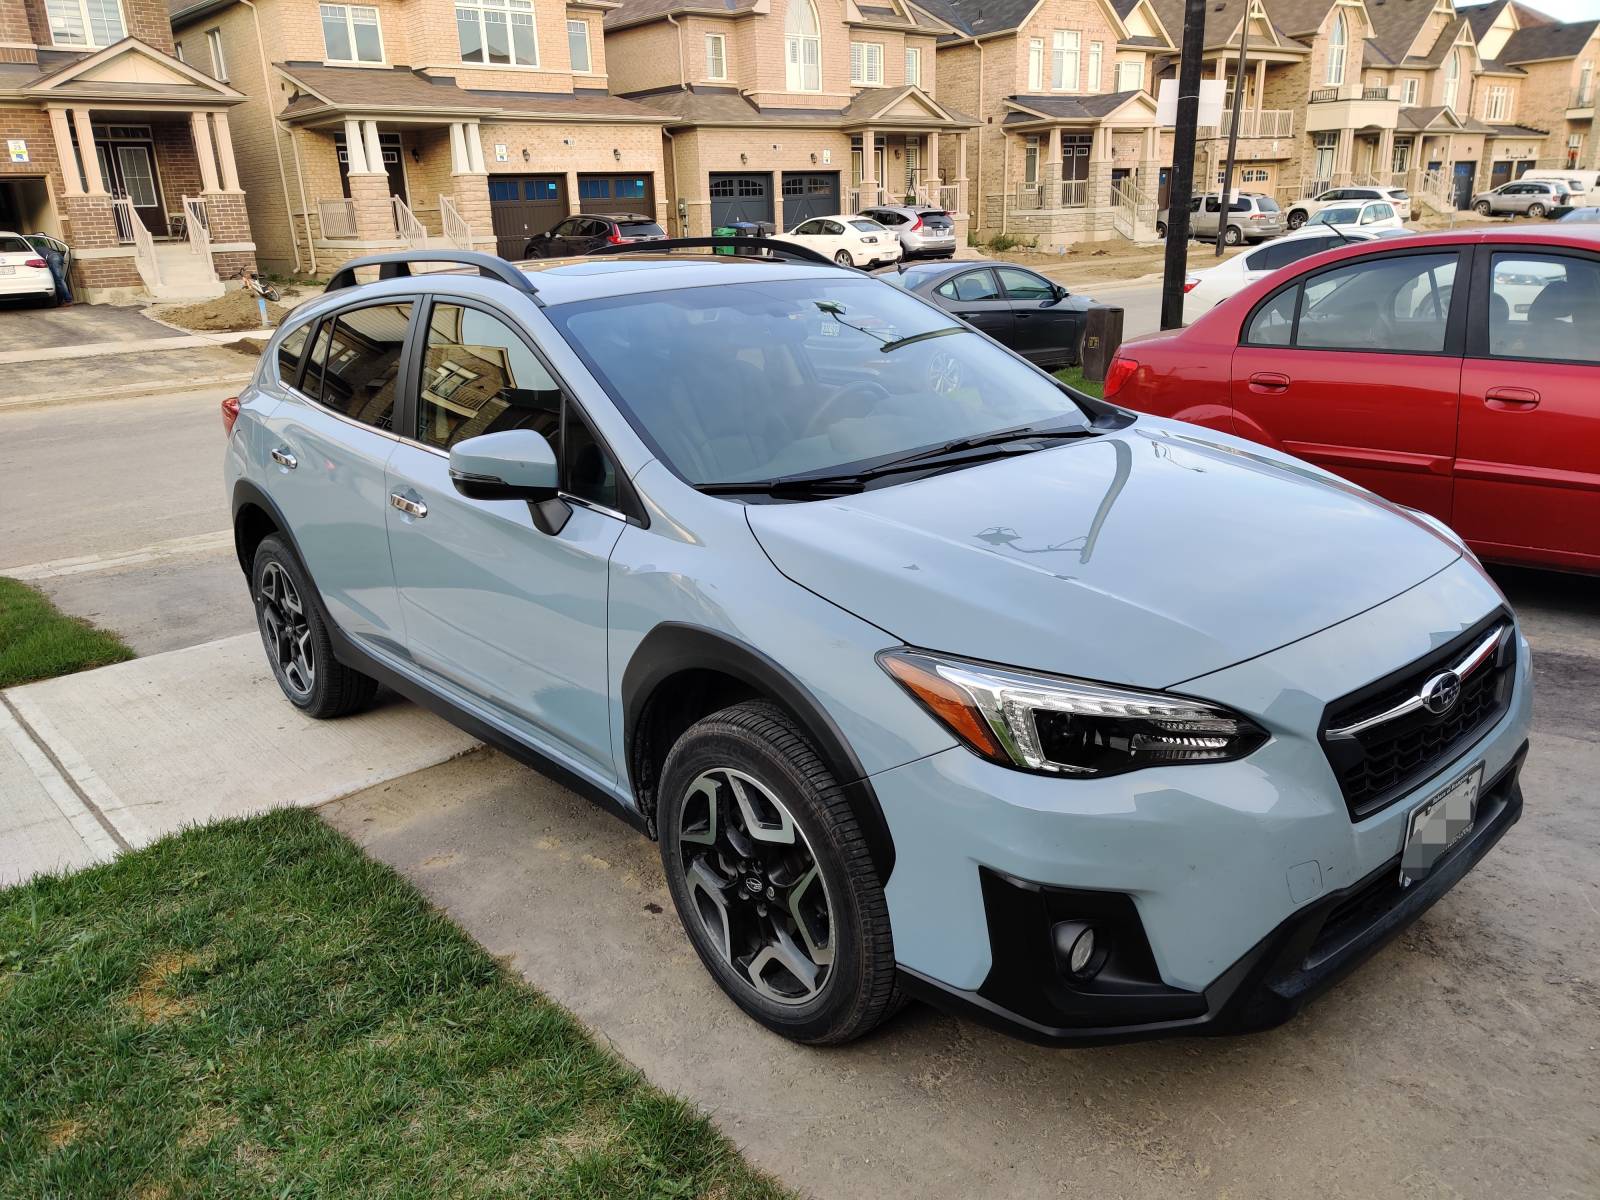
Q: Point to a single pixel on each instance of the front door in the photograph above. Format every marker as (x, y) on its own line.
(1500, 173)
(129, 169)
(504, 614)
(1075, 168)
(393, 164)
(1527, 475)
(1465, 173)
(1355, 368)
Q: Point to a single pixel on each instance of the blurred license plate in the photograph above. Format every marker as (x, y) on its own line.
(4, 270)
(1438, 824)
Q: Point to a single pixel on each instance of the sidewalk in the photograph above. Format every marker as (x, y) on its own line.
(109, 370)
(94, 763)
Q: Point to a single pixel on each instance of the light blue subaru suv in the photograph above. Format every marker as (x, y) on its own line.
(931, 676)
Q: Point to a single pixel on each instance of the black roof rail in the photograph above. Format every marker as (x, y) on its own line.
(784, 250)
(397, 265)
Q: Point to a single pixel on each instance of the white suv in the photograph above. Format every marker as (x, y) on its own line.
(1302, 211)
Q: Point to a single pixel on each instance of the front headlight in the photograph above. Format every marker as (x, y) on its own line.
(1060, 726)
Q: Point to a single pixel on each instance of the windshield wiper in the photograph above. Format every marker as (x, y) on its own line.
(999, 437)
(944, 331)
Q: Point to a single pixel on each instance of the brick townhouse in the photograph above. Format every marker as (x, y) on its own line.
(778, 110)
(471, 123)
(119, 148)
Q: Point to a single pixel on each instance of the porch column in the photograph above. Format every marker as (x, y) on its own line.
(65, 154)
(964, 202)
(937, 175)
(374, 148)
(869, 161)
(200, 130)
(230, 169)
(458, 150)
(1385, 165)
(471, 182)
(1261, 85)
(355, 151)
(474, 137)
(1051, 168)
(93, 184)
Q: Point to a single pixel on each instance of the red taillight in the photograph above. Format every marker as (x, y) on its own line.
(1190, 284)
(230, 413)
(36, 262)
(1122, 370)
(615, 238)
(916, 225)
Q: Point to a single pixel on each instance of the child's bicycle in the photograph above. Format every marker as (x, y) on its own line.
(257, 284)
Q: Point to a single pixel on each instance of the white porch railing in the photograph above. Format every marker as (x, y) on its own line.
(950, 198)
(412, 231)
(456, 229)
(337, 217)
(860, 198)
(1436, 191)
(1133, 211)
(1266, 123)
(197, 224)
(131, 231)
(1052, 194)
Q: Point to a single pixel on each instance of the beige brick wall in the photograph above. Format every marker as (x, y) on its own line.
(1089, 18)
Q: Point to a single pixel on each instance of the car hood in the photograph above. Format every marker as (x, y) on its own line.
(1146, 557)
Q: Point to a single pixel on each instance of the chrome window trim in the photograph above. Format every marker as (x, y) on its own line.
(1474, 659)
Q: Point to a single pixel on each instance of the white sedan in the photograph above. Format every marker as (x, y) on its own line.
(23, 270)
(1370, 214)
(849, 241)
(1207, 289)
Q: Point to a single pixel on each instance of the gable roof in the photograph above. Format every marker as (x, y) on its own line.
(1554, 39)
(638, 12)
(984, 18)
(1395, 25)
(1482, 16)
(1027, 109)
(128, 70)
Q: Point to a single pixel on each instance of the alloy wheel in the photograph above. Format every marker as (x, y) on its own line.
(755, 887)
(286, 630)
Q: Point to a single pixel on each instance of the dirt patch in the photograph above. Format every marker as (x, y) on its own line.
(63, 1133)
(1108, 261)
(150, 1000)
(233, 311)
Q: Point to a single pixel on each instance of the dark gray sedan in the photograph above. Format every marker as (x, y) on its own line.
(1017, 307)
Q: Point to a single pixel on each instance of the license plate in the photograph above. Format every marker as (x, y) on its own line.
(1438, 824)
(7, 270)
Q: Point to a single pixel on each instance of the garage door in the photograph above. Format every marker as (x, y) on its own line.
(523, 205)
(740, 198)
(808, 194)
(602, 194)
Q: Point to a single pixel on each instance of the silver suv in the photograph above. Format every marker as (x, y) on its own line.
(924, 232)
(1252, 217)
(1528, 197)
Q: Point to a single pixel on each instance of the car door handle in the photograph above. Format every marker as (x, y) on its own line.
(1515, 399)
(284, 458)
(414, 508)
(1269, 381)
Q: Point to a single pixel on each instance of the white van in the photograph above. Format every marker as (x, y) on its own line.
(1582, 184)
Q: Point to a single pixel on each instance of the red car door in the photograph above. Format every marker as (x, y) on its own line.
(1356, 367)
(1528, 463)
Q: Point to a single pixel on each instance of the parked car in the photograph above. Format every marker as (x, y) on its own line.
(588, 232)
(931, 675)
(851, 241)
(1370, 214)
(1524, 197)
(1452, 373)
(1019, 308)
(1252, 217)
(1208, 288)
(23, 270)
(1302, 211)
(1587, 215)
(924, 232)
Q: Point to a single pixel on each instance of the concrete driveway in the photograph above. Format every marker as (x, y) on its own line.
(26, 326)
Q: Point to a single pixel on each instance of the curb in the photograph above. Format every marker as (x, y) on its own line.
(153, 388)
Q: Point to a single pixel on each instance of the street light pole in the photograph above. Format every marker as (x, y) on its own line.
(1225, 201)
(1183, 139)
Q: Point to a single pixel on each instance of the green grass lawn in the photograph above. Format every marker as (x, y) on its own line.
(1073, 377)
(254, 1009)
(37, 642)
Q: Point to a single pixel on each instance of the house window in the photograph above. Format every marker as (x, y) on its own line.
(85, 22)
(219, 64)
(350, 33)
(1093, 82)
(1499, 105)
(1585, 85)
(1030, 160)
(802, 47)
(1338, 49)
(913, 66)
(1574, 150)
(1130, 76)
(1035, 64)
(1064, 61)
(716, 56)
(1452, 78)
(578, 47)
(866, 64)
(498, 32)
(1408, 92)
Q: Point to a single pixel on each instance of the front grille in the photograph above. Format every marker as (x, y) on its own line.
(1378, 765)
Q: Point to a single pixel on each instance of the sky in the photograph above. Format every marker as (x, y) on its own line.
(1568, 10)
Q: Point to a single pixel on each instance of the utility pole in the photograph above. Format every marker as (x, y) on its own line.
(1225, 200)
(1183, 139)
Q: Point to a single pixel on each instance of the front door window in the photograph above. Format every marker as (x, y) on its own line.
(138, 176)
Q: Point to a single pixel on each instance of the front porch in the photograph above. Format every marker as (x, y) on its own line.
(918, 152)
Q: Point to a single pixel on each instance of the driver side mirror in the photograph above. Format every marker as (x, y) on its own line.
(514, 464)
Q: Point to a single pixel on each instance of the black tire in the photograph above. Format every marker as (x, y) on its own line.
(1297, 218)
(332, 689)
(1485, 209)
(1161, 230)
(762, 742)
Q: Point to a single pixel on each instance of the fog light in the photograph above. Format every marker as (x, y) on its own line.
(1075, 946)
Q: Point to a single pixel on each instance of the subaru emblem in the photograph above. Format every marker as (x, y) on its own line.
(1439, 694)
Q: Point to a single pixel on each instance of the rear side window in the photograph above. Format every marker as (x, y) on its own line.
(1267, 204)
(480, 377)
(1399, 304)
(14, 245)
(1289, 250)
(1544, 306)
(642, 229)
(357, 363)
(867, 226)
(974, 285)
(290, 351)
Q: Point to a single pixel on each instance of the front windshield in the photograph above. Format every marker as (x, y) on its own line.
(1336, 216)
(744, 382)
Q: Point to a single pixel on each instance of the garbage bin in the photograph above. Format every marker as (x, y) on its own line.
(751, 229)
(1102, 338)
(724, 231)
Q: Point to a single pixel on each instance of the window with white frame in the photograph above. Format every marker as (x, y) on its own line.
(1498, 105)
(1585, 85)
(497, 32)
(1035, 64)
(219, 63)
(85, 22)
(1338, 49)
(1064, 61)
(350, 33)
(866, 64)
(578, 47)
(1401, 162)
(1092, 83)
(1452, 79)
(913, 66)
(1130, 75)
(716, 56)
(802, 47)
(1408, 91)
(1030, 159)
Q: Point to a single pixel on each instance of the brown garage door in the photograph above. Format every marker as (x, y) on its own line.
(625, 193)
(523, 205)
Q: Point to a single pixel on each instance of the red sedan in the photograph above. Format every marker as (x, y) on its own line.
(1478, 403)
